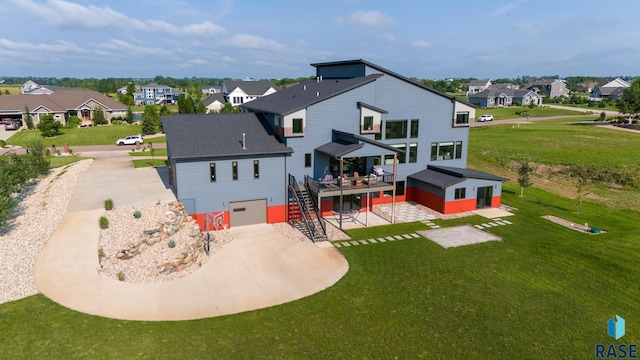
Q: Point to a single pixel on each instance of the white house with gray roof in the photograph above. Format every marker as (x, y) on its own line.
(238, 92)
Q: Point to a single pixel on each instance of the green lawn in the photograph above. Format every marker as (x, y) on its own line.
(511, 112)
(57, 161)
(543, 292)
(13, 89)
(98, 135)
(611, 153)
(156, 152)
(149, 163)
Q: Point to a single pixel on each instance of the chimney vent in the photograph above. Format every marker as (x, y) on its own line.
(317, 93)
(244, 142)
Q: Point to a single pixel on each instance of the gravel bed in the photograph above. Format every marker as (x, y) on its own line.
(568, 224)
(125, 231)
(42, 206)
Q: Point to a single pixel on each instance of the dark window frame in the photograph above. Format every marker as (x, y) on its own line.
(460, 193)
(212, 172)
(462, 118)
(300, 128)
(308, 162)
(256, 169)
(413, 133)
(234, 170)
(398, 129)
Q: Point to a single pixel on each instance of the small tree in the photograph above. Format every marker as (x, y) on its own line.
(229, 109)
(524, 176)
(48, 126)
(28, 119)
(581, 190)
(98, 116)
(150, 118)
(129, 116)
(201, 109)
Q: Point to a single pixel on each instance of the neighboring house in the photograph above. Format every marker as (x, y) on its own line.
(36, 87)
(249, 167)
(62, 104)
(154, 94)
(609, 89)
(211, 89)
(238, 92)
(554, 88)
(476, 86)
(586, 86)
(214, 102)
(505, 97)
(505, 86)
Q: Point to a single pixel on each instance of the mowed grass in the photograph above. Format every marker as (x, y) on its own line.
(149, 163)
(97, 135)
(543, 292)
(13, 89)
(553, 143)
(513, 112)
(156, 152)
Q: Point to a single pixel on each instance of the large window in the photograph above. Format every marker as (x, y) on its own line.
(402, 157)
(234, 170)
(396, 129)
(462, 118)
(212, 172)
(256, 169)
(460, 193)
(297, 126)
(414, 128)
(447, 150)
(413, 152)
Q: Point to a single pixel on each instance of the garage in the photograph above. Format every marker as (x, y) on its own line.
(248, 212)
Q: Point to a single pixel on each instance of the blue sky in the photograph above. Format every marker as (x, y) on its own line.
(280, 38)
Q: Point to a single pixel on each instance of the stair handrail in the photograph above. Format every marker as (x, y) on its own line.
(307, 221)
(316, 206)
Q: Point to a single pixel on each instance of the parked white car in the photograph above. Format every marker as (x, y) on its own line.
(484, 118)
(130, 140)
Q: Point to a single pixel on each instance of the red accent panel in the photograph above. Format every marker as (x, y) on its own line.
(458, 206)
(427, 199)
(495, 201)
(276, 214)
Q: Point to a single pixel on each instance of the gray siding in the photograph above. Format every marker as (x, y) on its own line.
(194, 182)
(402, 100)
(472, 185)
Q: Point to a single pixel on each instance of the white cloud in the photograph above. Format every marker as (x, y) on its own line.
(56, 47)
(247, 41)
(387, 37)
(421, 44)
(123, 47)
(372, 18)
(64, 14)
(228, 59)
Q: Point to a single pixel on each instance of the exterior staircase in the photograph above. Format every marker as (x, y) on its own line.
(304, 214)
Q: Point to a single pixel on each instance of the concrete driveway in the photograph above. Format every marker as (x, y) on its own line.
(259, 268)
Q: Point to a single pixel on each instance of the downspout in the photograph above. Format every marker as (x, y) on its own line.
(393, 194)
(286, 190)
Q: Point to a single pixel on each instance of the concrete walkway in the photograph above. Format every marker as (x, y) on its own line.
(259, 268)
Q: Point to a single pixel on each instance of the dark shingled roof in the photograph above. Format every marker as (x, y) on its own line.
(445, 176)
(191, 136)
(212, 98)
(304, 94)
(338, 148)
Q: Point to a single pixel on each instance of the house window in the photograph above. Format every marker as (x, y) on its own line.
(434, 151)
(396, 129)
(388, 159)
(462, 118)
(212, 172)
(402, 157)
(414, 128)
(234, 170)
(368, 123)
(445, 150)
(256, 169)
(297, 126)
(413, 152)
(399, 190)
(377, 160)
(458, 149)
(460, 193)
(307, 160)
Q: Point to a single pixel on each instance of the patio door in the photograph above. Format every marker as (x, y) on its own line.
(485, 194)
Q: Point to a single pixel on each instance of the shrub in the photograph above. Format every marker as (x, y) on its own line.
(108, 204)
(137, 214)
(603, 115)
(172, 243)
(104, 222)
(120, 276)
(2, 143)
(48, 126)
(100, 253)
(73, 121)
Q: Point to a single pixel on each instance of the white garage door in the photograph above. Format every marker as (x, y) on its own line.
(248, 212)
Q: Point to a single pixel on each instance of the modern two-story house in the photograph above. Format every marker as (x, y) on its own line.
(356, 136)
(154, 94)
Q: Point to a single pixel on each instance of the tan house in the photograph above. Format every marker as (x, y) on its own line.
(61, 104)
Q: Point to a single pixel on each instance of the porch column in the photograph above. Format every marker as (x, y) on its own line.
(393, 194)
